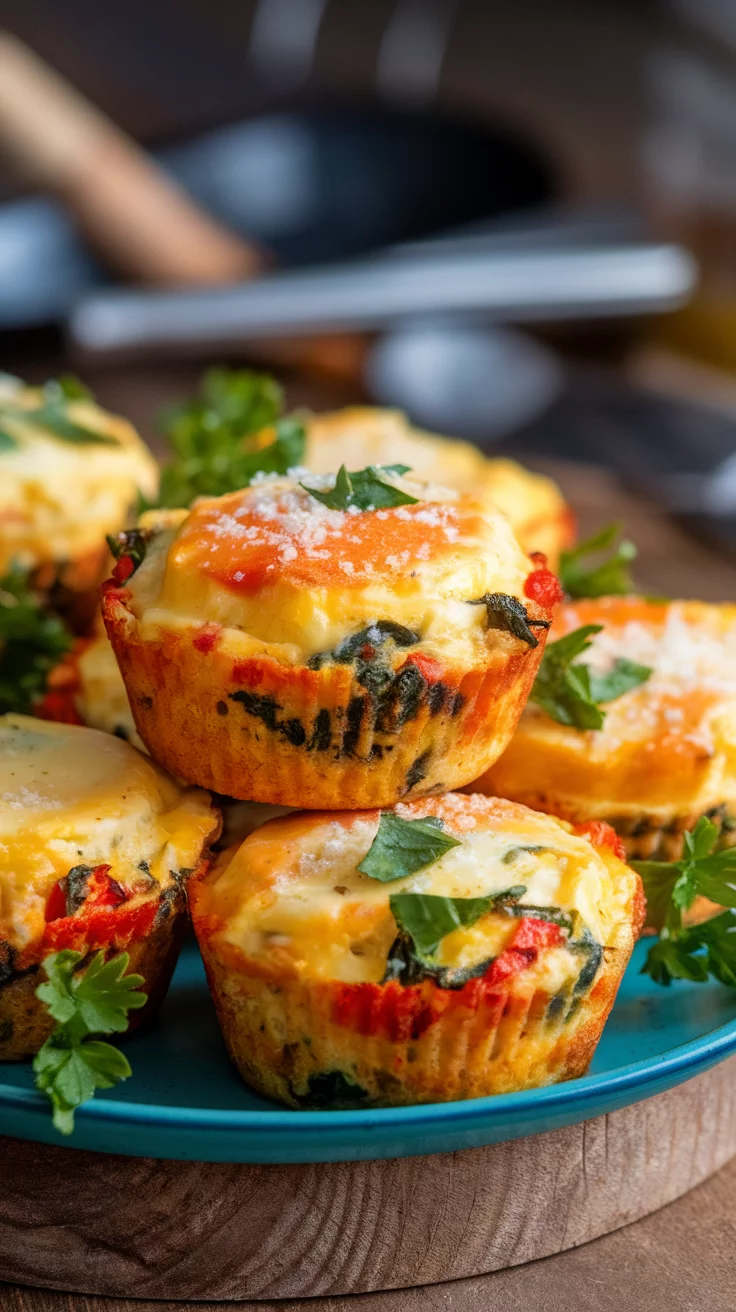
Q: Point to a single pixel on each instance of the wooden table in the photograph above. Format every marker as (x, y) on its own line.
(682, 1258)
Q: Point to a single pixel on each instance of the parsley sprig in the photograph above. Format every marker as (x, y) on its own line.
(402, 847)
(671, 887)
(610, 577)
(570, 691)
(71, 1065)
(32, 641)
(364, 489)
(53, 414)
(220, 438)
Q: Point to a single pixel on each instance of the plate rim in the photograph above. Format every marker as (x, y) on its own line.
(706, 1049)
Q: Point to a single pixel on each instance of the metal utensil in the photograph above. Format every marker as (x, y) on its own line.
(507, 286)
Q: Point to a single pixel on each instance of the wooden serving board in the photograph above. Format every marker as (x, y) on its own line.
(143, 1228)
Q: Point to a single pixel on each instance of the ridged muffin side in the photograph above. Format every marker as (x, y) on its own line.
(288, 655)
(312, 1034)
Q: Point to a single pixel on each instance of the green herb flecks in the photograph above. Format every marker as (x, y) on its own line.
(570, 692)
(220, 439)
(671, 887)
(364, 489)
(508, 613)
(610, 577)
(53, 416)
(71, 1065)
(32, 641)
(402, 847)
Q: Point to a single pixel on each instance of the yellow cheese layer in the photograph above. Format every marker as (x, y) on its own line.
(58, 499)
(666, 748)
(365, 435)
(275, 567)
(71, 796)
(293, 901)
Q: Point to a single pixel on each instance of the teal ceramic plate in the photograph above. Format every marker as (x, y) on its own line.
(185, 1101)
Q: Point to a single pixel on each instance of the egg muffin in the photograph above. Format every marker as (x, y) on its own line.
(279, 650)
(342, 980)
(666, 753)
(96, 845)
(70, 473)
(86, 687)
(362, 435)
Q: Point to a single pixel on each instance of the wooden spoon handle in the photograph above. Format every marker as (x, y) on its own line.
(139, 220)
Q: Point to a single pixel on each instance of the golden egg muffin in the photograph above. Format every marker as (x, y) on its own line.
(367, 435)
(279, 650)
(96, 845)
(86, 687)
(60, 495)
(666, 753)
(341, 980)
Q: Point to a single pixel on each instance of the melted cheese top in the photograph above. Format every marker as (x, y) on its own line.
(58, 499)
(292, 900)
(366, 435)
(285, 571)
(668, 747)
(71, 796)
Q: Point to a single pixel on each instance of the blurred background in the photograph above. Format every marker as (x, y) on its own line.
(517, 222)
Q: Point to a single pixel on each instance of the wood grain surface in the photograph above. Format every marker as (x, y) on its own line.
(158, 1229)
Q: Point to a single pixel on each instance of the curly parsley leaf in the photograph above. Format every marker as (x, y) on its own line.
(32, 640)
(611, 577)
(505, 612)
(403, 846)
(71, 1066)
(365, 489)
(231, 431)
(570, 692)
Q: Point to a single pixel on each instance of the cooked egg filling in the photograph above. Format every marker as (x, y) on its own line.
(284, 574)
(59, 498)
(293, 902)
(71, 796)
(668, 746)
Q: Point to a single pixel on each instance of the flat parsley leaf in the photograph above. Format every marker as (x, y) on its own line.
(427, 919)
(403, 846)
(226, 435)
(365, 489)
(71, 1065)
(32, 640)
(612, 577)
(571, 692)
(671, 887)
